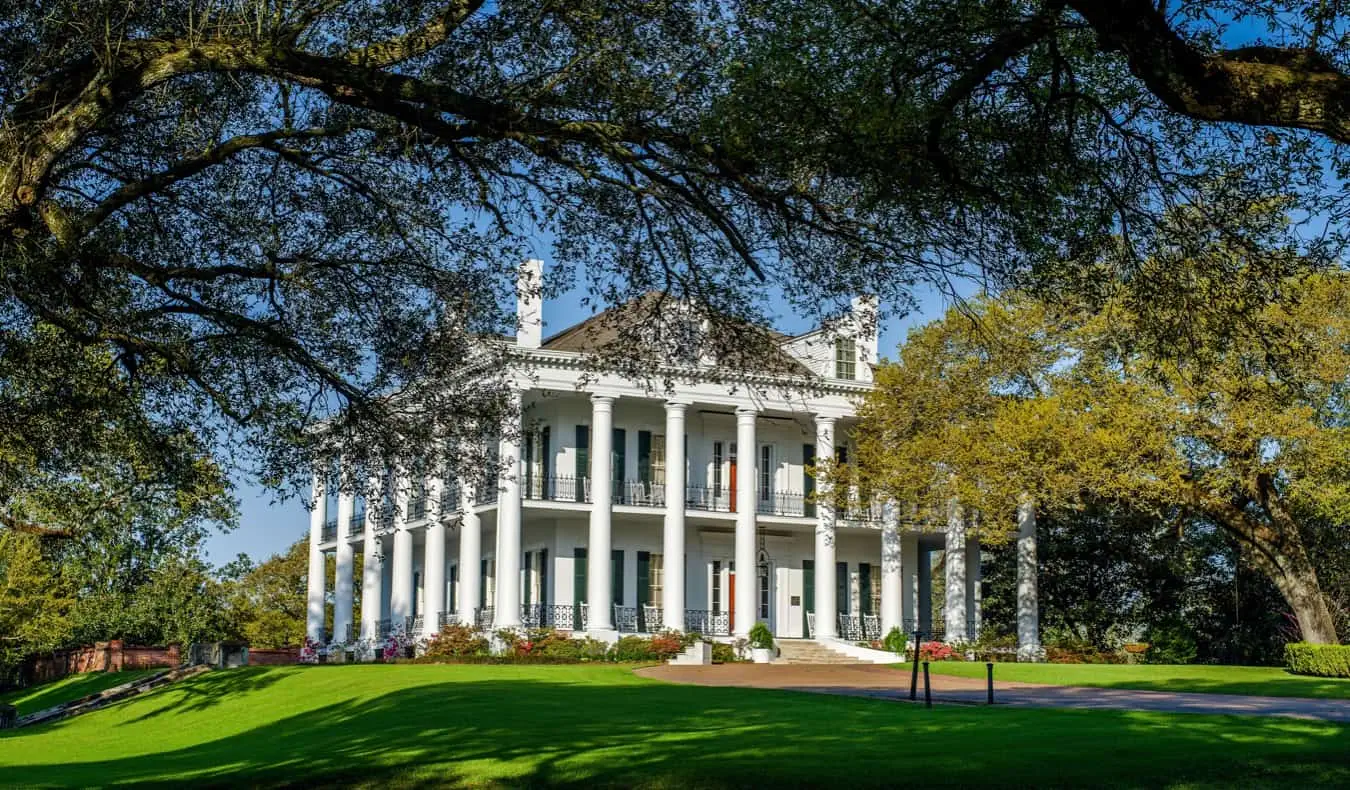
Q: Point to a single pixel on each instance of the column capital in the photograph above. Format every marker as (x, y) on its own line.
(677, 406)
(827, 419)
(601, 401)
(745, 413)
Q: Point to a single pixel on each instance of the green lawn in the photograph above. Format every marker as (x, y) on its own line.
(431, 726)
(1267, 681)
(70, 687)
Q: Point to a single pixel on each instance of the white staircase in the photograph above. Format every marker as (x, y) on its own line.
(807, 651)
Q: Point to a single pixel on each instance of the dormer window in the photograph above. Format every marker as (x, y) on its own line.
(845, 358)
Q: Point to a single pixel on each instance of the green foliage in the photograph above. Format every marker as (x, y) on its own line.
(1170, 643)
(723, 653)
(1326, 661)
(456, 640)
(1020, 400)
(761, 637)
(896, 641)
(269, 601)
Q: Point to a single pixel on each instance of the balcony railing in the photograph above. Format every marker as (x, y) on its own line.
(781, 503)
(356, 525)
(558, 488)
(713, 500)
(329, 533)
(639, 494)
(417, 508)
(706, 622)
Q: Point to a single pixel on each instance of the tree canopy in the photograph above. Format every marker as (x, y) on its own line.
(1067, 403)
(249, 217)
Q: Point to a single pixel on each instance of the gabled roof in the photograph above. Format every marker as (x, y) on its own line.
(602, 330)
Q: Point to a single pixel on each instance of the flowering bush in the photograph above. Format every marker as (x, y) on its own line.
(310, 651)
(456, 640)
(937, 651)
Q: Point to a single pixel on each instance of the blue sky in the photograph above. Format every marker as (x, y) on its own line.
(267, 526)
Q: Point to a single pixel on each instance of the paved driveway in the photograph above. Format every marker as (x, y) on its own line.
(884, 682)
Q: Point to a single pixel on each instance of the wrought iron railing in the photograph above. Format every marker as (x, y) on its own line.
(707, 623)
(483, 618)
(862, 512)
(445, 618)
(713, 500)
(639, 493)
(781, 503)
(329, 533)
(564, 616)
(357, 524)
(417, 508)
(650, 619)
(558, 488)
(625, 619)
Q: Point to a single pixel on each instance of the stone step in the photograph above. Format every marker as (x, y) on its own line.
(802, 651)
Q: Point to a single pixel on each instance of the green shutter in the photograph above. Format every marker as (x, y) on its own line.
(578, 586)
(864, 588)
(619, 457)
(841, 585)
(808, 593)
(645, 456)
(482, 586)
(616, 575)
(544, 597)
(644, 586)
(583, 459)
(526, 559)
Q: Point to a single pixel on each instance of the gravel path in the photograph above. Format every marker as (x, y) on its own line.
(883, 682)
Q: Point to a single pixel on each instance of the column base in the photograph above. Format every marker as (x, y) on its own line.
(1033, 653)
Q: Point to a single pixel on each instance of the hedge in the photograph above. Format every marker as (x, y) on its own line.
(1325, 661)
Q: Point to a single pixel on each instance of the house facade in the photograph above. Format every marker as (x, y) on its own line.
(619, 511)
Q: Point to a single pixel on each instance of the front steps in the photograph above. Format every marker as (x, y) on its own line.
(807, 651)
(109, 696)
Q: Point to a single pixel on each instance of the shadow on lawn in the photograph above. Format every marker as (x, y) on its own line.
(527, 732)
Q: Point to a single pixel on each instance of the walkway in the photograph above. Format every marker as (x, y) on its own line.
(882, 682)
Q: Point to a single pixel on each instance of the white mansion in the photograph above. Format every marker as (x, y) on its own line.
(630, 513)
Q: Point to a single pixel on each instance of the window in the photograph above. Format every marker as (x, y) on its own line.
(656, 575)
(876, 590)
(845, 358)
(717, 585)
(490, 584)
(658, 460)
(717, 469)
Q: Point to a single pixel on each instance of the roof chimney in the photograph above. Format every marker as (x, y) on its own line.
(530, 304)
(868, 334)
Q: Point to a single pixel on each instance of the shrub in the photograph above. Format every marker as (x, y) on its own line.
(1170, 644)
(1323, 661)
(761, 637)
(456, 640)
(723, 653)
(993, 646)
(667, 645)
(896, 641)
(633, 648)
(936, 651)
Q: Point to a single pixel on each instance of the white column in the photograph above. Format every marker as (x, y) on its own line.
(342, 592)
(954, 605)
(372, 571)
(891, 565)
(827, 608)
(1028, 612)
(434, 576)
(747, 577)
(974, 573)
(318, 515)
(672, 595)
(507, 612)
(600, 598)
(909, 573)
(470, 551)
(401, 589)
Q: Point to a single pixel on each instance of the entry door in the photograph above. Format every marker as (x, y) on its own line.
(791, 599)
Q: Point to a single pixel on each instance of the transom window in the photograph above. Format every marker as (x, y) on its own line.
(845, 358)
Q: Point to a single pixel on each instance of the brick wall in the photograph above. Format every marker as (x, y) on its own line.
(273, 657)
(99, 657)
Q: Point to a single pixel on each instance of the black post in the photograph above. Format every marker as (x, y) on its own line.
(990, 667)
(914, 676)
(927, 688)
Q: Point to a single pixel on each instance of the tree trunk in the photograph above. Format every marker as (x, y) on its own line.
(1278, 551)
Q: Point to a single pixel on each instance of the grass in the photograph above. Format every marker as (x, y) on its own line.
(71, 687)
(437, 725)
(1205, 679)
